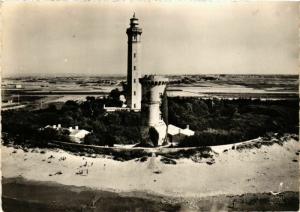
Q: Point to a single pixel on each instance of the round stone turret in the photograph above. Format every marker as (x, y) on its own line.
(153, 88)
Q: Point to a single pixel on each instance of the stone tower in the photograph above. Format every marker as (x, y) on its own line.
(153, 88)
(134, 93)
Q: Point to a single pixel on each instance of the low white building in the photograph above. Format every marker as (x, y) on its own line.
(76, 135)
(175, 134)
(173, 130)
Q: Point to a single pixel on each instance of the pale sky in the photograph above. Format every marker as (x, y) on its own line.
(178, 38)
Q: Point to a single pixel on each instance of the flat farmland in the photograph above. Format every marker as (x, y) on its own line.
(34, 91)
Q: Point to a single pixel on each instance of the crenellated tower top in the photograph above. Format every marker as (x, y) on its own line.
(152, 80)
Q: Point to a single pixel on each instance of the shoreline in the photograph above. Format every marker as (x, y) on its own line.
(20, 193)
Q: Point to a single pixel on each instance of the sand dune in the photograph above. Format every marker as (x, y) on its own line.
(268, 169)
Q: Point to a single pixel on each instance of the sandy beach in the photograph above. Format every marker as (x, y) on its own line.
(267, 169)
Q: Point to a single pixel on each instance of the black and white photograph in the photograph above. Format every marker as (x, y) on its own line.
(152, 105)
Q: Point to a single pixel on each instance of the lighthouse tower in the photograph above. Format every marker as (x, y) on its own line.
(153, 88)
(134, 93)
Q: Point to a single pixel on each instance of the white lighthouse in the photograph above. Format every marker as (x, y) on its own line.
(134, 94)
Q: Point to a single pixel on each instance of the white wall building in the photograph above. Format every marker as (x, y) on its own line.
(173, 130)
(76, 135)
(176, 134)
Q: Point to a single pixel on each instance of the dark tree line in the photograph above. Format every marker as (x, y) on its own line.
(227, 121)
(121, 127)
(215, 121)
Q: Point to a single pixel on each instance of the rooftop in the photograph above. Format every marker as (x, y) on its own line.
(174, 130)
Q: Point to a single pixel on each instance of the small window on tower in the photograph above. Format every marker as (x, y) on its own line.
(134, 55)
(134, 67)
(134, 105)
(134, 80)
(134, 93)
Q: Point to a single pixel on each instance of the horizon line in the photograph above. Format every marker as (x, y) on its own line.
(124, 75)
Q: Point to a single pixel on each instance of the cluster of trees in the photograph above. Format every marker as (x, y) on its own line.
(215, 121)
(120, 127)
(23, 128)
(228, 121)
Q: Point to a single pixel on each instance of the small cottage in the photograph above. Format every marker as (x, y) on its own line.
(76, 135)
(176, 134)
